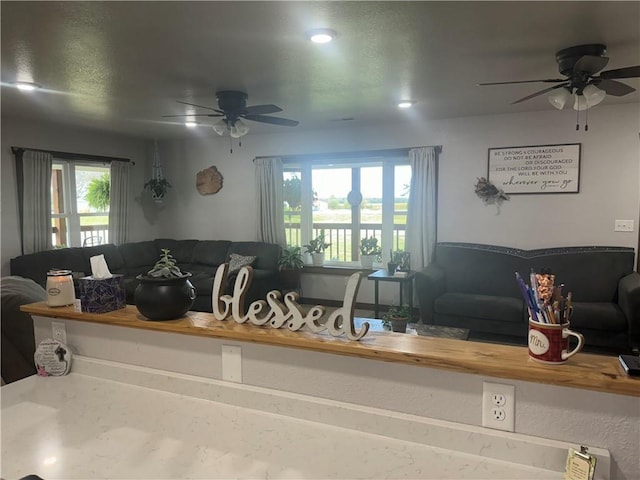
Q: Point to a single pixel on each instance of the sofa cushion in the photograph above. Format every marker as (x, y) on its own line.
(598, 316)
(210, 252)
(236, 262)
(181, 250)
(504, 309)
(139, 254)
(36, 265)
(590, 273)
(480, 269)
(267, 253)
(202, 282)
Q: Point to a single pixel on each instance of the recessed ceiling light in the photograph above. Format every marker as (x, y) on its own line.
(190, 124)
(406, 104)
(27, 86)
(321, 35)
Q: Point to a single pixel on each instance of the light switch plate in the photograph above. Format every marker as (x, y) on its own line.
(232, 363)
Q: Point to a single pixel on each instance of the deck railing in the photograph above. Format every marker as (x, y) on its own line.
(339, 235)
(90, 235)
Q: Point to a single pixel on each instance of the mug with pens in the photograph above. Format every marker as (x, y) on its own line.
(549, 314)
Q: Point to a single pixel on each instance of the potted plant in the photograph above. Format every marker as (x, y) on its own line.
(316, 248)
(164, 292)
(370, 251)
(158, 188)
(397, 318)
(290, 263)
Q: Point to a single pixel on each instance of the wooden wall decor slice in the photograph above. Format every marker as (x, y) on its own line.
(209, 181)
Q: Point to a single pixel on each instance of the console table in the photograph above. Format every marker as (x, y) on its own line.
(383, 276)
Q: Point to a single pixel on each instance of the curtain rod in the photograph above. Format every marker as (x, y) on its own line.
(357, 154)
(74, 156)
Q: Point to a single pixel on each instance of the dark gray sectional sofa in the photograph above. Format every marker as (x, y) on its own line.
(473, 286)
(199, 257)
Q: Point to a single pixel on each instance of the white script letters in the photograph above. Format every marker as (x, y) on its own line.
(278, 314)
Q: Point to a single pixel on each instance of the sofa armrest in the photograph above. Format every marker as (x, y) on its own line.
(629, 302)
(430, 283)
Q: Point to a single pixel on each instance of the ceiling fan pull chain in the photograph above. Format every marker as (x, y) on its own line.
(577, 120)
(230, 145)
(586, 120)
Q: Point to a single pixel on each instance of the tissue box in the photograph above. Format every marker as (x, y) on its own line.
(100, 295)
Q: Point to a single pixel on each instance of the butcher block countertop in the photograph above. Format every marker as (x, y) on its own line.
(584, 371)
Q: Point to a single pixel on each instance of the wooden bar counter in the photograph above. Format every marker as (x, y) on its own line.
(584, 371)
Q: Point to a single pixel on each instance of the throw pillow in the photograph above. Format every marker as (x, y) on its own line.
(236, 262)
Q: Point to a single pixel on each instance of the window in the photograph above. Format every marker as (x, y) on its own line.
(349, 200)
(79, 203)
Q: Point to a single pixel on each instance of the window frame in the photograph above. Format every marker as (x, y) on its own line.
(305, 166)
(73, 217)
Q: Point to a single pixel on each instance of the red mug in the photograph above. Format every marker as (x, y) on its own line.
(549, 343)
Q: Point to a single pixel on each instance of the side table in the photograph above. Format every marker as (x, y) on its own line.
(383, 276)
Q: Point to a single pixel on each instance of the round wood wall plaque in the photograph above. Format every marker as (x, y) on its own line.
(209, 181)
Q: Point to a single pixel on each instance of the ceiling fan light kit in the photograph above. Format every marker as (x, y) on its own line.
(232, 112)
(582, 85)
(590, 97)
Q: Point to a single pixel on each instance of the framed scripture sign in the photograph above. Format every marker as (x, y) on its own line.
(536, 169)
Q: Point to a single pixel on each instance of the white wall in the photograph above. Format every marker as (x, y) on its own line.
(609, 180)
(21, 133)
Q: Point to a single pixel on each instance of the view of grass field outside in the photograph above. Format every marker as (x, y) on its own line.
(332, 212)
(82, 225)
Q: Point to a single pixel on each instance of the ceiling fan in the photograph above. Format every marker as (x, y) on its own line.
(579, 65)
(232, 109)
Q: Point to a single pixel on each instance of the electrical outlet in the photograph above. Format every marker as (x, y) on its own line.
(623, 226)
(232, 363)
(498, 406)
(498, 414)
(59, 332)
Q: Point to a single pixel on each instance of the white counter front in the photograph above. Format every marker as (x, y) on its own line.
(84, 427)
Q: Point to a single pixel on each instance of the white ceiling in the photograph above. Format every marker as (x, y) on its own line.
(120, 66)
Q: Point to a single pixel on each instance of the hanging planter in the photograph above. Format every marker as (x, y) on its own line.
(158, 188)
(157, 185)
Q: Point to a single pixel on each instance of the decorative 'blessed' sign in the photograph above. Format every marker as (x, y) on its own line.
(275, 313)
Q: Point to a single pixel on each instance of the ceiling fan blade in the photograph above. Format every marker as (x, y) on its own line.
(548, 80)
(617, 89)
(273, 120)
(262, 109)
(541, 92)
(627, 72)
(200, 106)
(196, 115)
(590, 64)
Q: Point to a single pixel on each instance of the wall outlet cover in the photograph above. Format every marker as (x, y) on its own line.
(498, 406)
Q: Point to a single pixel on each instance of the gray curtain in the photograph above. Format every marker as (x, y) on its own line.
(34, 180)
(421, 217)
(269, 186)
(119, 202)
